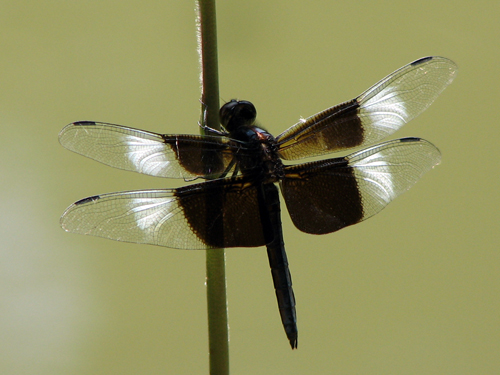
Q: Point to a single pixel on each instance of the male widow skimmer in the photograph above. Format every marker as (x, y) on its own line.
(239, 206)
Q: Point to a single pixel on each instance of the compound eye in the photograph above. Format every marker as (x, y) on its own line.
(236, 113)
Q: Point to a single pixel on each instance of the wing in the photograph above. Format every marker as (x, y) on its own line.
(372, 116)
(215, 214)
(328, 195)
(161, 155)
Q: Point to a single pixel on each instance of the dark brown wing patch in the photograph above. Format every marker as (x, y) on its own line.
(320, 202)
(333, 129)
(223, 213)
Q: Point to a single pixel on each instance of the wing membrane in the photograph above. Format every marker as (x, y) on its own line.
(328, 195)
(173, 156)
(214, 214)
(372, 116)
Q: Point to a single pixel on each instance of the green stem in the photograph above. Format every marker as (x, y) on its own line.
(207, 46)
(218, 335)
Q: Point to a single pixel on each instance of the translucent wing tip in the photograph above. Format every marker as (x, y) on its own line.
(441, 59)
(440, 63)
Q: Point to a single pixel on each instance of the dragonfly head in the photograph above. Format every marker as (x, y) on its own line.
(237, 113)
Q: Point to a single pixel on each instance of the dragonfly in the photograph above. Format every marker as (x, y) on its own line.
(239, 205)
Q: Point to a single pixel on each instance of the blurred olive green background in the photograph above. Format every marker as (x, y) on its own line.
(414, 290)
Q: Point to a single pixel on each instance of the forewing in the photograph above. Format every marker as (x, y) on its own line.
(214, 214)
(325, 196)
(161, 155)
(372, 116)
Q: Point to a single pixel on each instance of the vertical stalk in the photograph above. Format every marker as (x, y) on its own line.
(218, 335)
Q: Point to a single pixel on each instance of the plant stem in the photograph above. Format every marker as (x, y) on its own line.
(218, 335)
